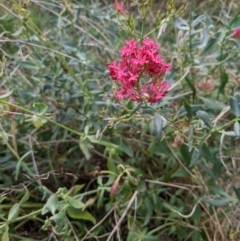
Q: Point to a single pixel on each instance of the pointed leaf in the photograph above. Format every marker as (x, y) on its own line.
(75, 189)
(237, 128)
(158, 123)
(234, 105)
(216, 202)
(51, 205)
(136, 109)
(111, 165)
(190, 138)
(237, 191)
(80, 215)
(25, 197)
(212, 104)
(5, 95)
(223, 81)
(14, 211)
(84, 148)
(59, 217)
(189, 110)
(19, 164)
(90, 202)
(195, 158)
(230, 133)
(5, 236)
(40, 108)
(28, 65)
(75, 203)
(204, 117)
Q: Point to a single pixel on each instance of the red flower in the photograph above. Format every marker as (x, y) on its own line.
(119, 6)
(206, 86)
(139, 72)
(236, 33)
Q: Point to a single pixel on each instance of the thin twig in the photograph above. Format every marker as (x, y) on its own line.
(123, 215)
(172, 185)
(174, 85)
(99, 223)
(34, 160)
(190, 214)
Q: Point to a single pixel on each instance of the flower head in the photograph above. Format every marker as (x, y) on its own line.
(139, 72)
(119, 6)
(206, 86)
(236, 33)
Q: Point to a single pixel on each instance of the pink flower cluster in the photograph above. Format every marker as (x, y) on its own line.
(119, 6)
(205, 86)
(139, 72)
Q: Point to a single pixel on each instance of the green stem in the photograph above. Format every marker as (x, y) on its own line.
(49, 120)
(24, 205)
(143, 22)
(161, 227)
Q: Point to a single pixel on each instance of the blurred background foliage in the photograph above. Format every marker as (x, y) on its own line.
(77, 165)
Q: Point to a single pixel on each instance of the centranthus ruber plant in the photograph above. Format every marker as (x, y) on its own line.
(140, 71)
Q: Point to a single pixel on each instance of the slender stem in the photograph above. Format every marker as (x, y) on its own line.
(123, 215)
(24, 205)
(48, 119)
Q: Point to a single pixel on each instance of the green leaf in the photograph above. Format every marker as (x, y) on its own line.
(101, 142)
(111, 165)
(28, 65)
(38, 121)
(14, 211)
(59, 217)
(234, 105)
(223, 80)
(74, 202)
(80, 215)
(186, 155)
(237, 128)
(230, 133)
(197, 215)
(100, 198)
(84, 146)
(210, 45)
(237, 191)
(190, 138)
(212, 104)
(90, 202)
(40, 108)
(25, 197)
(4, 96)
(142, 186)
(126, 148)
(76, 189)
(196, 236)
(5, 236)
(212, 42)
(181, 24)
(235, 20)
(19, 164)
(51, 205)
(69, 46)
(188, 110)
(216, 202)
(158, 124)
(195, 158)
(182, 110)
(198, 20)
(204, 117)
(137, 107)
